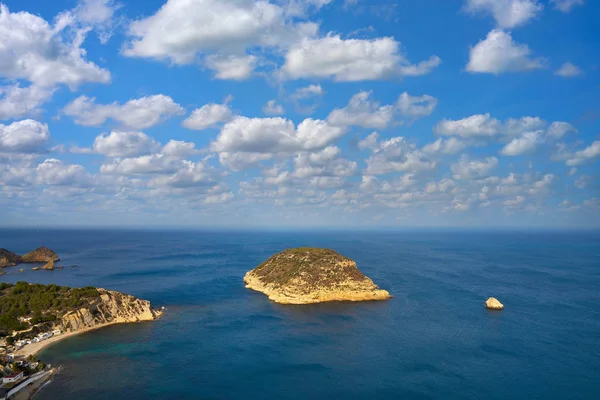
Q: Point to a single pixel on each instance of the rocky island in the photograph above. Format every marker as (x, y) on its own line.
(311, 275)
(39, 255)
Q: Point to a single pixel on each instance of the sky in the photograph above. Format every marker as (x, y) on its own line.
(300, 113)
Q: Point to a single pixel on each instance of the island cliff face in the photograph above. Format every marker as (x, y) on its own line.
(8, 258)
(40, 255)
(110, 308)
(310, 275)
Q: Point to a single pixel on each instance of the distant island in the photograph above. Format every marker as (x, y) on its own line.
(32, 316)
(311, 275)
(39, 255)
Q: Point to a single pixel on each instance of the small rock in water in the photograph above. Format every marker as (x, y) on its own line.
(21, 270)
(493, 304)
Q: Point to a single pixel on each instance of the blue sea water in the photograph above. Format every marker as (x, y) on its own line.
(433, 340)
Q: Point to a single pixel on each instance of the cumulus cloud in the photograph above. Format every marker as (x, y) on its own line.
(178, 148)
(416, 106)
(53, 172)
(125, 144)
(272, 108)
(351, 60)
(139, 113)
(27, 136)
(498, 53)
(467, 169)
(522, 145)
(394, 155)
(183, 31)
(44, 54)
(308, 91)
(273, 135)
(364, 112)
(232, 67)
(569, 70)
(481, 126)
(208, 116)
(507, 13)
(581, 157)
(17, 101)
(98, 14)
(148, 164)
(566, 5)
(240, 161)
(444, 146)
(326, 162)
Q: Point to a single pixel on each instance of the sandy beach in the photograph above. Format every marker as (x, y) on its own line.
(35, 348)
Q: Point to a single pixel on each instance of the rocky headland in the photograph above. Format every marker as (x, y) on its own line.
(311, 275)
(52, 312)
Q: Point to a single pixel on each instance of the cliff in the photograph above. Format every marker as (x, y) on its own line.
(310, 275)
(40, 255)
(110, 308)
(8, 258)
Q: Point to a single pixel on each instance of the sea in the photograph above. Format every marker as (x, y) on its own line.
(433, 340)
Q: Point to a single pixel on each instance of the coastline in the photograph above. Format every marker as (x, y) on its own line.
(35, 348)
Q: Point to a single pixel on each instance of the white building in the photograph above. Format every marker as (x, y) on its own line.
(12, 378)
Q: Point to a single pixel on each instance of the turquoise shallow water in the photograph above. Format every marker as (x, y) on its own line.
(433, 340)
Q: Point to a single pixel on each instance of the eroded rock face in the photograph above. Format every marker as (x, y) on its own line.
(49, 266)
(493, 304)
(111, 308)
(310, 275)
(40, 255)
(8, 258)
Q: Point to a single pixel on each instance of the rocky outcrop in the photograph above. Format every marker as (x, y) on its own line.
(310, 275)
(40, 255)
(49, 266)
(8, 258)
(493, 304)
(110, 308)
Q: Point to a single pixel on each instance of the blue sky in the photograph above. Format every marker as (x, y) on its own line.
(300, 113)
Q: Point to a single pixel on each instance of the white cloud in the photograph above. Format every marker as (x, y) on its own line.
(184, 30)
(467, 169)
(148, 164)
(308, 91)
(17, 101)
(444, 146)
(364, 112)
(569, 70)
(241, 161)
(507, 13)
(178, 148)
(416, 106)
(326, 162)
(582, 182)
(27, 136)
(581, 157)
(522, 145)
(273, 135)
(566, 5)
(498, 53)
(232, 67)
(272, 108)
(36, 51)
(559, 129)
(394, 155)
(208, 116)
(516, 202)
(187, 174)
(124, 144)
(479, 125)
(54, 172)
(484, 126)
(139, 113)
(351, 60)
(99, 15)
